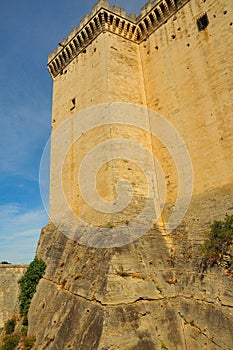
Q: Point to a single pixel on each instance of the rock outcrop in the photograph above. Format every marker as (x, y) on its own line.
(144, 295)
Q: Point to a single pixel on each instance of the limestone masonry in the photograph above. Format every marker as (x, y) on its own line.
(164, 61)
(9, 290)
(174, 59)
(115, 20)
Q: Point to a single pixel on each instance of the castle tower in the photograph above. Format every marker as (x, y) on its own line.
(159, 83)
(152, 61)
(98, 65)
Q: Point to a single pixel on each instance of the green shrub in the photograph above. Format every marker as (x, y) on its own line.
(25, 320)
(28, 285)
(218, 248)
(24, 330)
(9, 326)
(29, 342)
(10, 342)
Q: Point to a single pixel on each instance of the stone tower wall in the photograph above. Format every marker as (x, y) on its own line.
(188, 79)
(160, 60)
(109, 70)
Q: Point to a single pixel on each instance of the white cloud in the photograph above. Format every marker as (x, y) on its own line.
(8, 210)
(27, 233)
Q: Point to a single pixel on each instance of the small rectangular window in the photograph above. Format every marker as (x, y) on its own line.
(202, 22)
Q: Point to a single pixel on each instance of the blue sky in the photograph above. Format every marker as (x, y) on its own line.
(29, 31)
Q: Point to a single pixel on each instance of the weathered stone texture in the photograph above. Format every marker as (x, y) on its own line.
(83, 302)
(150, 294)
(181, 73)
(9, 290)
(188, 79)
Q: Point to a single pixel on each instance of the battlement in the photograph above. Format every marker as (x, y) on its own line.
(115, 20)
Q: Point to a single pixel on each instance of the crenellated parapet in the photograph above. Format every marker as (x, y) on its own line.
(154, 14)
(103, 18)
(114, 19)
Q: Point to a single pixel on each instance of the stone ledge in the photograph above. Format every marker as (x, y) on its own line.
(12, 266)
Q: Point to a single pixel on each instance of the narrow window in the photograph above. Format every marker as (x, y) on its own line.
(73, 104)
(202, 22)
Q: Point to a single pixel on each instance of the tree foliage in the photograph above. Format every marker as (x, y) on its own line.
(28, 285)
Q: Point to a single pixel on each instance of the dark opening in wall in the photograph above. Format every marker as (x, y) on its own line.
(79, 40)
(146, 23)
(202, 22)
(142, 28)
(64, 56)
(111, 19)
(92, 28)
(100, 18)
(157, 14)
(170, 5)
(83, 36)
(68, 53)
(88, 32)
(73, 104)
(72, 49)
(163, 8)
(152, 19)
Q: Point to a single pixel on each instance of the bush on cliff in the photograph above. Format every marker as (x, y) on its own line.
(10, 342)
(9, 326)
(218, 248)
(29, 342)
(28, 285)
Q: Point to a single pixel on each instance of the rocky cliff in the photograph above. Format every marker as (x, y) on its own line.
(145, 295)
